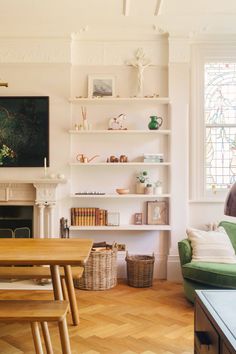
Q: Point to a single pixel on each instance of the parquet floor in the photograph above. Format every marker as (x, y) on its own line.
(123, 320)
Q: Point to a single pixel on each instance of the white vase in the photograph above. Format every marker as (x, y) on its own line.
(158, 190)
(140, 188)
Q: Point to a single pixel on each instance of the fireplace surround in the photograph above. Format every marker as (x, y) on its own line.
(40, 195)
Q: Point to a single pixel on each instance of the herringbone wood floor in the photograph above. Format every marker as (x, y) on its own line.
(123, 320)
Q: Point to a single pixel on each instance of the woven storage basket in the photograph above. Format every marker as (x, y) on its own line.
(140, 270)
(100, 271)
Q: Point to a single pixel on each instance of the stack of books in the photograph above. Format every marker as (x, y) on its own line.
(150, 158)
(88, 217)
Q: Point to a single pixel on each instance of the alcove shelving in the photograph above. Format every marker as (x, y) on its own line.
(133, 141)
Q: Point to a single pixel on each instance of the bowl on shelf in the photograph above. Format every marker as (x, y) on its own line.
(122, 191)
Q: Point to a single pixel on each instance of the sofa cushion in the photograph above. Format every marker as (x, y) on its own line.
(211, 246)
(216, 274)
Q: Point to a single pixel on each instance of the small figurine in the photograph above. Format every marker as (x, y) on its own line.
(117, 123)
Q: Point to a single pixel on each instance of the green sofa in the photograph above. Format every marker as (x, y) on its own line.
(203, 275)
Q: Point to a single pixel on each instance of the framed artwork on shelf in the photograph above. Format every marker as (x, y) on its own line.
(101, 85)
(113, 219)
(157, 213)
(138, 219)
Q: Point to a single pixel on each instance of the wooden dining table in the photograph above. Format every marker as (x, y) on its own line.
(54, 252)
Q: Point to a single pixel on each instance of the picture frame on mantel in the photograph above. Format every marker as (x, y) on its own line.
(157, 213)
(101, 85)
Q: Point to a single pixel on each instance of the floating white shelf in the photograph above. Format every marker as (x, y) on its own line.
(160, 100)
(120, 164)
(122, 227)
(119, 196)
(124, 132)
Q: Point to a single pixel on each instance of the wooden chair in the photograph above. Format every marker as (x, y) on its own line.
(36, 311)
(36, 272)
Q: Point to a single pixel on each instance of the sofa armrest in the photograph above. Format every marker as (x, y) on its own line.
(185, 251)
(230, 228)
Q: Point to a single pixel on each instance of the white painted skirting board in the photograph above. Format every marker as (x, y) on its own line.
(160, 266)
(174, 269)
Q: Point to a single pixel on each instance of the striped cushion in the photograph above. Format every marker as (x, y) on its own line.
(211, 246)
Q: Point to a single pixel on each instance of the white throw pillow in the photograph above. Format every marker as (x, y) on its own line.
(211, 246)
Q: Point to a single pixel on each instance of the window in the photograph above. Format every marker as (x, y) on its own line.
(220, 124)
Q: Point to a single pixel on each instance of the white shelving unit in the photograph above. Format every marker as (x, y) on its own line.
(118, 164)
(106, 100)
(122, 227)
(102, 176)
(118, 196)
(149, 132)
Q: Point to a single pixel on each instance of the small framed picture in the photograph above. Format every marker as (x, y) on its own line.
(113, 219)
(100, 85)
(157, 213)
(138, 219)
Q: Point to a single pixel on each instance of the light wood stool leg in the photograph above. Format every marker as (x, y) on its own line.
(64, 336)
(64, 291)
(36, 338)
(56, 282)
(71, 294)
(47, 339)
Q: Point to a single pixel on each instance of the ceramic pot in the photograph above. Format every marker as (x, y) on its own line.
(140, 188)
(148, 190)
(155, 123)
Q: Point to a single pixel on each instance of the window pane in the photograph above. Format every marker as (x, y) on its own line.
(220, 122)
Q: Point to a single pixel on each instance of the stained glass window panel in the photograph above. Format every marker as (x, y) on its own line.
(220, 125)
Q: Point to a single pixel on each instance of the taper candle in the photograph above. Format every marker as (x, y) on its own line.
(45, 167)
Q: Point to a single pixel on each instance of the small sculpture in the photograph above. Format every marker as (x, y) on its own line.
(140, 63)
(117, 123)
(84, 159)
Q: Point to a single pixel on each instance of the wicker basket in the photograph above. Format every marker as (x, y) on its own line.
(100, 271)
(140, 270)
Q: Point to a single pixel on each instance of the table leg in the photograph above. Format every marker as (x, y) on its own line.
(71, 294)
(56, 282)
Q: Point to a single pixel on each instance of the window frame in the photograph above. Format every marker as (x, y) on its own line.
(201, 54)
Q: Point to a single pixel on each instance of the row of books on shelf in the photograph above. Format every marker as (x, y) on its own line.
(88, 217)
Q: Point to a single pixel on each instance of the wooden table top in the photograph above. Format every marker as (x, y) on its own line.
(44, 251)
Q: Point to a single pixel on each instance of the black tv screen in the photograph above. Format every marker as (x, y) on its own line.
(24, 131)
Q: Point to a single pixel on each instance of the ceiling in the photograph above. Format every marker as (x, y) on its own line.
(62, 17)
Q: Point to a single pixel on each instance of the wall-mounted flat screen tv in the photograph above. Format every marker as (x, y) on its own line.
(24, 131)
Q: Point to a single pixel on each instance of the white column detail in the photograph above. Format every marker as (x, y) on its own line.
(41, 231)
(51, 207)
(46, 196)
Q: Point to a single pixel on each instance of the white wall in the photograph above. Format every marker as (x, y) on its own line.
(59, 68)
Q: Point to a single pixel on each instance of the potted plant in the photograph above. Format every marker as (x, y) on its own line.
(142, 180)
(148, 189)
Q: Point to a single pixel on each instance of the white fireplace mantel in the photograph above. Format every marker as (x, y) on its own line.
(38, 192)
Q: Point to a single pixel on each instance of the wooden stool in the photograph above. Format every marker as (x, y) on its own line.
(37, 272)
(35, 311)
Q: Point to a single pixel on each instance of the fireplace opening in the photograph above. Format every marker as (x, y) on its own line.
(16, 221)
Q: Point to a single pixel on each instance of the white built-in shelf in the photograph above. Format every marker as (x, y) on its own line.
(120, 196)
(158, 100)
(122, 227)
(124, 132)
(120, 164)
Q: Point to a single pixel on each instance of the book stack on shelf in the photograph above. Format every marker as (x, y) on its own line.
(88, 217)
(149, 158)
